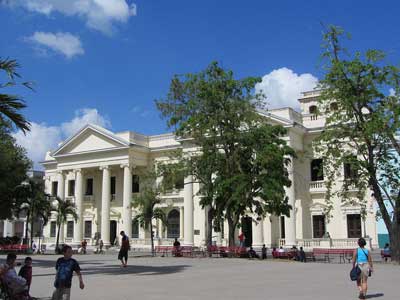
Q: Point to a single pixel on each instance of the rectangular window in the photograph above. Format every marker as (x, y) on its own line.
(354, 226)
(135, 183)
(317, 170)
(283, 235)
(71, 188)
(54, 188)
(350, 172)
(113, 180)
(88, 229)
(179, 181)
(135, 229)
(70, 229)
(53, 228)
(318, 227)
(89, 187)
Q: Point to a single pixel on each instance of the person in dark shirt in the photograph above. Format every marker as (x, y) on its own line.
(65, 267)
(177, 248)
(26, 272)
(302, 255)
(123, 252)
(264, 252)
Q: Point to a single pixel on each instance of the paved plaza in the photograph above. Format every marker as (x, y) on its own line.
(211, 278)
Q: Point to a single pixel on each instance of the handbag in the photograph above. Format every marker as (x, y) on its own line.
(355, 271)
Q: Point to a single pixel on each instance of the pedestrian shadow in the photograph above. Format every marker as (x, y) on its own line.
(131, 269)
(374, 295)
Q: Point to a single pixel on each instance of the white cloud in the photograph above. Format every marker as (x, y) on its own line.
(283, 87)
(98, 14)
(392, 92)
(83, 117)
(42, 138)
(61, 42)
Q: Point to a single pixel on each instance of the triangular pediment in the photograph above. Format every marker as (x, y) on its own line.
(88, 139)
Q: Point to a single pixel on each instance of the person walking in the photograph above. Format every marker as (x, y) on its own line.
(123, 252)
(65, 267)
(362, 258)
(26, 272)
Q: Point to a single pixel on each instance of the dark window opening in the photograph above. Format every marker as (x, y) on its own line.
(350, 171)
(312, 109)
(283, 234)
(318, 227)
(354, 226)
(88, 229)
(71, 188)
(89, 187)
(54, 188)
(53, 228)
(173, 229)
(135, 183)
(317, 172)
(135, 229)
(113, 181)
(70, 229)
(333, 106)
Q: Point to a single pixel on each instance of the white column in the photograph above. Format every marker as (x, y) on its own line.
(290, 223)
(61, 195)
(61, 185)
(105, 205)
(127, 197)
(181, 222)
(258, 236)
(79, 206)
(188, 212)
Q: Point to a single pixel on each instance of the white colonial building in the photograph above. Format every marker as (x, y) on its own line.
(100, 171)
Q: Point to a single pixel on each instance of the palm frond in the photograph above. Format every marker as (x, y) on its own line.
(9, 66)
(9, 107)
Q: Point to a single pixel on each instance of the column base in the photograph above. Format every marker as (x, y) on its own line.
(188, 244)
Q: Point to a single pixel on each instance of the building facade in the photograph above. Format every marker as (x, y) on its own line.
(100, 171)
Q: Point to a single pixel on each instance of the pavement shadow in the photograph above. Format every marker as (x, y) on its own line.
(374, 295)
(131, 269)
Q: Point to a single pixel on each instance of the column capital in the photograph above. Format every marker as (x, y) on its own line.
(77, 170)
(101, 168)
(124, 165)
(60, 172)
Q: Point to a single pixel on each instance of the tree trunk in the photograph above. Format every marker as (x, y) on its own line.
(394, 235)
(26, 228)
(31, 241)
(209, 226)
(232, 227)
(40, 235)
(152, 238)
(58, 238)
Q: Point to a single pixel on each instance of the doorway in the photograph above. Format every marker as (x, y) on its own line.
(247, 229)
(113, 232)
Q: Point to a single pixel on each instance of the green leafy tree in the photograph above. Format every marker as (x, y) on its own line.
(362, 130)
(11, 105)
(34, 203)
(14, 165)
(146, 202)
(63, 209)
(239, 159)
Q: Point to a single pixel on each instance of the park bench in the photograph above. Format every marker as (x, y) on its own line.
(328, 254)
(164, 250)
(282, 255)
(14, 248)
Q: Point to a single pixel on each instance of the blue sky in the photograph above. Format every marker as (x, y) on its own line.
(106, 61)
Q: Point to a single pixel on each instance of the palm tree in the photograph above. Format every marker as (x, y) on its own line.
(34, 202)
(63, 208)
(146, 201)
(10, 105)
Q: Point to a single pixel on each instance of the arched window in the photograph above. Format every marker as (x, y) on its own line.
(173, 224)
(312, 109)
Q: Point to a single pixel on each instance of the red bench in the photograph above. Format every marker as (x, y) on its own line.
(282, 255)
(344, 254)
(14, 248)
